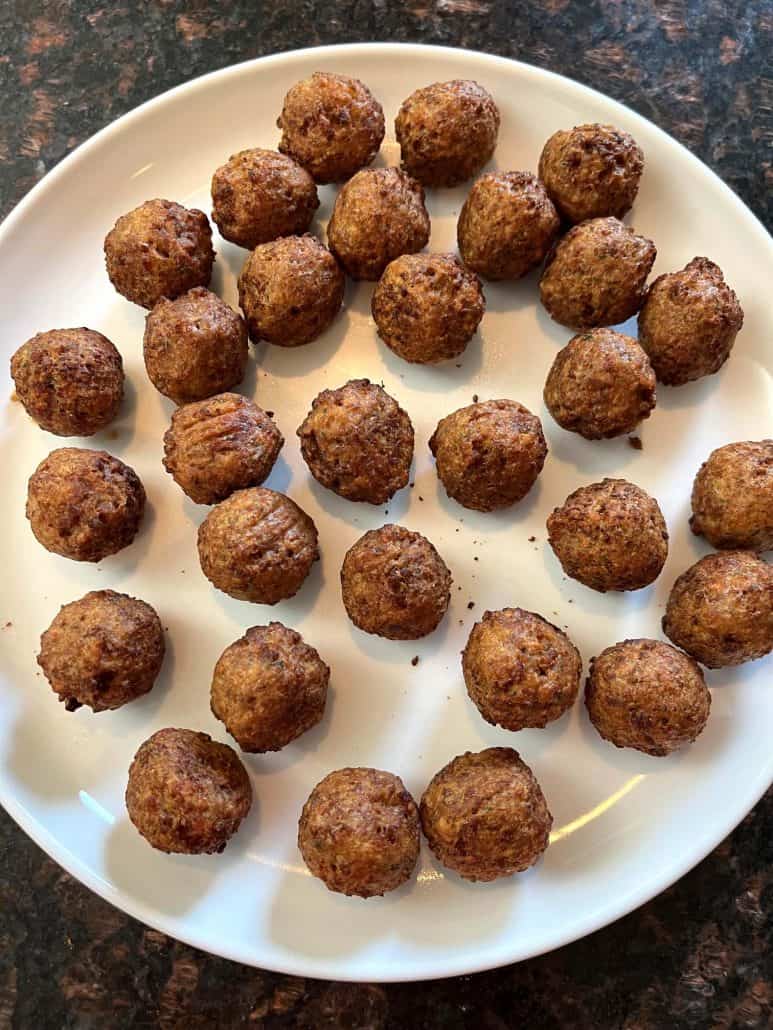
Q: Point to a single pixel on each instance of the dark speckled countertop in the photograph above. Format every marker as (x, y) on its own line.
(698, 956)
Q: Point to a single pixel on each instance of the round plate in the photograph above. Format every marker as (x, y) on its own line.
(625, 825)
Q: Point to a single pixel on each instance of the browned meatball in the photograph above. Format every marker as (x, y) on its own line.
(359, 832)
(447, 132)
(720, 610)
(257, 545)
(84, 504)
(358, 442)
(732, 497)
(596, 274)
(688, 322)
(484, 815)
(194, 346)
(489, 454)
(378, 215)
(332, 125)
(395, 584)
(160, 249)
(187, 794)
(600, 385)
(591, 171)
(507, 225)
(610, 536)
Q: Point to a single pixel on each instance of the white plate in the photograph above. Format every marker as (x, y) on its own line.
(626, 825)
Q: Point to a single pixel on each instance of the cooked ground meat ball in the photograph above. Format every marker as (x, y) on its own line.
(688, 322)
(485, 816)
(395, 584)
(610, 536)
(160, 249)
(720, 610)
(187, 794)
(84, 504)
(359, 832)
(358, 442)
(732, 497)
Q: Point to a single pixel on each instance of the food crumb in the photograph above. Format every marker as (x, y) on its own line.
(635, 442)
(113, 434)
(570, 600)
(415, 660)
(475, 398)
(270, 414)
(475, 557)
(461, 622)
(8, 625)
(532, 539)
(420, 497)
(458, 366)
(15, 396)
(411, 485)
(470, 605)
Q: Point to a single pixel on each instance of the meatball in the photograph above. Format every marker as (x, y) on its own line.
(732, 497)
(257, 545)
(591, 171)
(359, 832)
(358, 442)
(187, 794)
(332, 125)
(447, 132)
(489, 454)
(84, 504)
(507, 225)
(600, 385)
(395, 584)
(70, 381)
(688, 322)
(484, 815)
(194, 346)
(159, 249)
(596, 274)
(610, 536)
(720, 610)
(378, 215)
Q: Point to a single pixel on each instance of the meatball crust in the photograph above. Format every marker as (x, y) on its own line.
(160, 249)
(378, 215)
(591, 171)
(732, 496)
(84, 504)
(688, 322)
(489, 454)
(720, 610)
(610, 536)
(596, 274)
(187, 794)
(484, 815)
(70, 381)
(359, 832)
(507, 225)
(520, 671)
(358, 442)
(395, 584)
(447, 132)
(600, 385)
(257, 545)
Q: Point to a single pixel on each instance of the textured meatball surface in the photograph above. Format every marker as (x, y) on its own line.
(732, 496)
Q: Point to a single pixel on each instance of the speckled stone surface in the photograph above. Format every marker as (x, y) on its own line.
(698, 956)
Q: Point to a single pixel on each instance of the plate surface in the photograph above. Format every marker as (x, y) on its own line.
(625, 825)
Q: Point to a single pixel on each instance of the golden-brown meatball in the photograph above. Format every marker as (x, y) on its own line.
(732, 496)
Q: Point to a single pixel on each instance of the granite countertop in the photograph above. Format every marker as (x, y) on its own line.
(697, 956)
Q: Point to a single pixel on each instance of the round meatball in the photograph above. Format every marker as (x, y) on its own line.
(332, 125)
(358, 442)
(610, 536)
(484, 815)
(732, 497)
(257, 545)
(84, 504)
(395, 584)
(688, 322)
(600, 385)
(720, 610)
(378, 215)
(507, 225)
(596, 274)
(489, 454)
(447, 132)
(160, 249)
(591, 171)
(187, 794)
(359, 832)
(194, 346)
